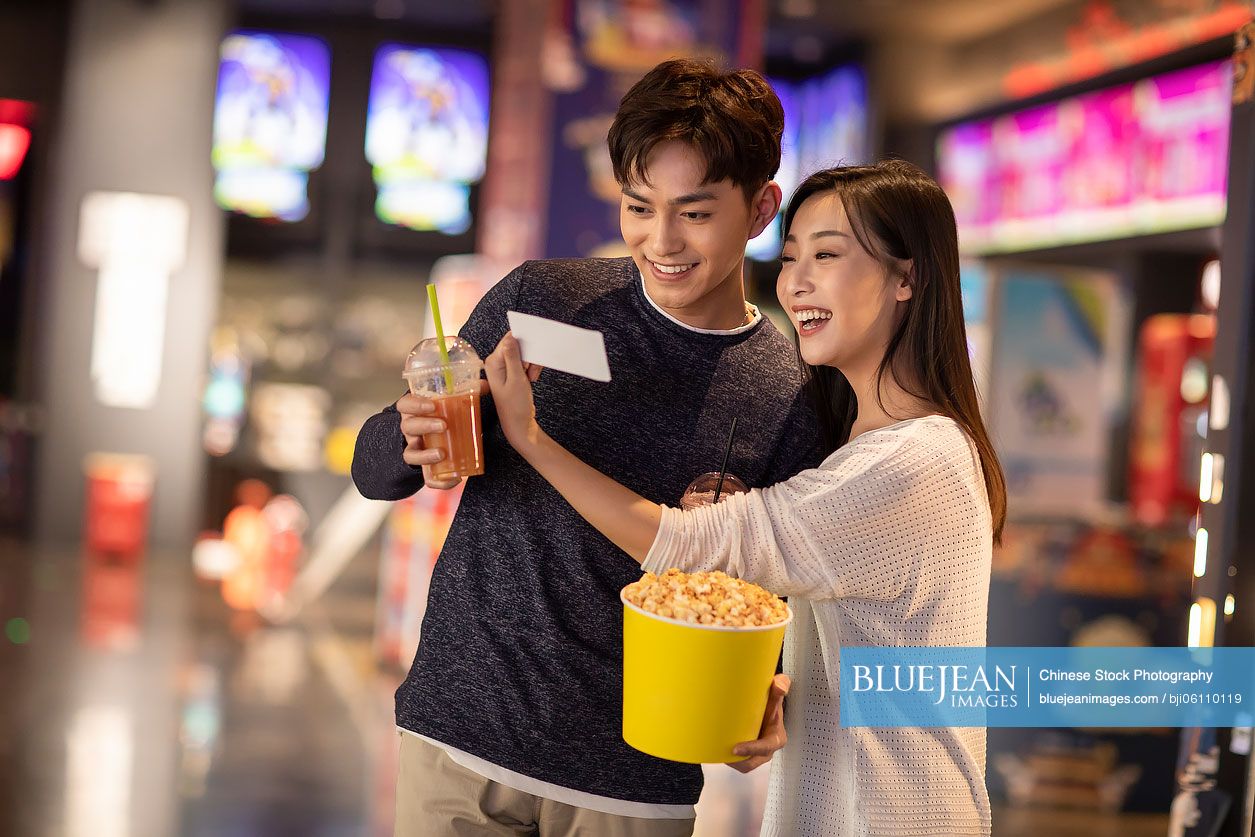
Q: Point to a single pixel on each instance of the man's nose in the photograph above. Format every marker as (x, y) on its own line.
(666, 238)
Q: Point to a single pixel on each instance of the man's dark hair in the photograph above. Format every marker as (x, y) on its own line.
(733, 119)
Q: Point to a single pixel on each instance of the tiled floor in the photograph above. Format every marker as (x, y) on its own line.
(142, 705)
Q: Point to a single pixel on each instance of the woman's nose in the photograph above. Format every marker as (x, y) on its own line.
(789, 288)
(798, 280)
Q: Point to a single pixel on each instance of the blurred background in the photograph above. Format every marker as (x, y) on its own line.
(217, 221)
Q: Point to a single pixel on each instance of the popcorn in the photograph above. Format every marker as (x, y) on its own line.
(706, 598)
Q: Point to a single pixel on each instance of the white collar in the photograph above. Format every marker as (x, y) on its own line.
(755, 315)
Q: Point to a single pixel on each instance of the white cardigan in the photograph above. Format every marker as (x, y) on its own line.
(887, 542)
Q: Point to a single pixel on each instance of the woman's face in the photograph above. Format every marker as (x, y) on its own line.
(842, 301)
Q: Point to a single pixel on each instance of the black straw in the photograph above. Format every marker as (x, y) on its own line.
(723, 469)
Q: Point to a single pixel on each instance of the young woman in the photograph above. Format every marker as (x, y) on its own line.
(888, 542)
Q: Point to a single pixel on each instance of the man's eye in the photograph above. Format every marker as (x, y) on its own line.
(637, 210)
(697, 216)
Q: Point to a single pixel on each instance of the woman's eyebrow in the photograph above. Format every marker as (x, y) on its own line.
(820, 234)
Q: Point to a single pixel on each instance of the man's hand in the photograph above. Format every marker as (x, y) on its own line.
(510, 380)
(417, 419)
(771, 736)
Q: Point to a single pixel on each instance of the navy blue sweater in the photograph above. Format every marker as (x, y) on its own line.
(520, 657)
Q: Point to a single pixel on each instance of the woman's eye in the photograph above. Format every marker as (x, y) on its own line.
(826, 255)
(786, 259)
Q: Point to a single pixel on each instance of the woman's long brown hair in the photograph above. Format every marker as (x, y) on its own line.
(897, 212)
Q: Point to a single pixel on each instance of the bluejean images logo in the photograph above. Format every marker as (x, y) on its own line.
(1047, 687)
(962, 686)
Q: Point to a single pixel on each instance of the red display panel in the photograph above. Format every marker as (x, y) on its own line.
(15, 135)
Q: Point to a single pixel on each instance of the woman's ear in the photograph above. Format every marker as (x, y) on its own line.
(906, 280)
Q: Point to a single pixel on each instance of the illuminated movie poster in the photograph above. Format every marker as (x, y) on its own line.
(427, 135)
(834, 129)
(825, 125)
(964, 172)
(1183, 119)
(270, 122)
(766, 246)
(608, 46)
(1057, 384)
(1129, 160)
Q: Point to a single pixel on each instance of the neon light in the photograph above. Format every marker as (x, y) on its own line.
(1219, 403)
(1133, 159)
(1209, 286)
(14, 143)
(1093, 50)
(1217, 479)
(1205, 478)
(135, 242)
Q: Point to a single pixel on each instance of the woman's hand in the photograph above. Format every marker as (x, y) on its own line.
(772, 735)
(510, 381)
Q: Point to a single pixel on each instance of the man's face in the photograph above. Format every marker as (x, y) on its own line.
(688, 237)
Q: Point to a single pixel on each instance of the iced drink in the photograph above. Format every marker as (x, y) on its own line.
(701, 491)
(453, 388)
(462, 440)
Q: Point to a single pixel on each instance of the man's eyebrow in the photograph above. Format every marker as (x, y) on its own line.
(691, 197)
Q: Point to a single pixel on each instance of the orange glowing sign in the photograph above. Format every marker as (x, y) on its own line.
(1102, 41)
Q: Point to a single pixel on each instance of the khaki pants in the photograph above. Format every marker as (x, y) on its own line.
(437, 797)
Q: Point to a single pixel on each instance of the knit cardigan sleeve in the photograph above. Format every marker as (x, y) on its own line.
(847, 529)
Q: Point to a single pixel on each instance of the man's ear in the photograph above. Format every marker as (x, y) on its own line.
(906, 280)
(764, 206)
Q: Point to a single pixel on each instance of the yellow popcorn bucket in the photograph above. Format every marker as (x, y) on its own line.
(692, 692)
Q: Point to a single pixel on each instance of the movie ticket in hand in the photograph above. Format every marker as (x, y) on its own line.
(555, 345)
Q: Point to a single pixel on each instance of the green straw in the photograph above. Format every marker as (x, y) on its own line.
(444, 350)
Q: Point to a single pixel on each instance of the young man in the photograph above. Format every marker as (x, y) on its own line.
(511, 714)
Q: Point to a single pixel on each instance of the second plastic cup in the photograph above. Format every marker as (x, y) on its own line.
(454, 388)
(701, 491)
(693, 692)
